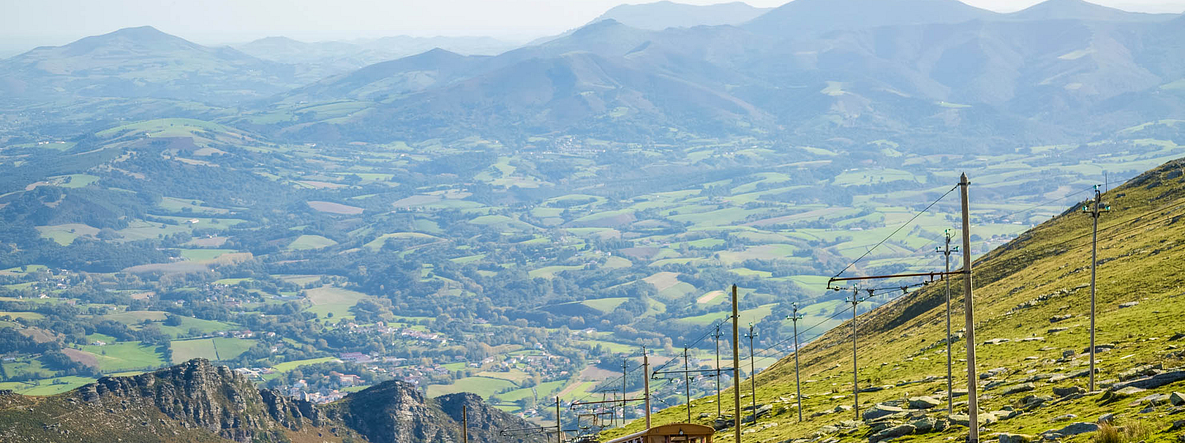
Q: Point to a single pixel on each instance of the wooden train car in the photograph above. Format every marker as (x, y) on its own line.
(672, 433)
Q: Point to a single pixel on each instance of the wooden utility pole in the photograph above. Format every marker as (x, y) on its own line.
(687, 383)
(736, 367)
(969, 313)
(855, 368)
(1095, 209)
(718, 411)
(752, 374)
(795, 317)
(646, 383)
(950, 402)
(624, 375)
(559, 431)
(464, 424)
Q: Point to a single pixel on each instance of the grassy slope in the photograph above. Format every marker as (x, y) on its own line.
(1141, 252)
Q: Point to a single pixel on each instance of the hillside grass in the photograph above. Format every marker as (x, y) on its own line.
(1141, 248)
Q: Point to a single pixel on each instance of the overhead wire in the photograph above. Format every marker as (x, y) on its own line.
(899, 228)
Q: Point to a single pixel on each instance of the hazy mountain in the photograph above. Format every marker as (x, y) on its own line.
(665, 14)
(319, 60)
(1082, 10)
(392, 78)
(142, 62)
(806, 17)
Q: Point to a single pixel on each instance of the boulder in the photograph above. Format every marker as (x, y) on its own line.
(996, 341)
(924, 402)
(1066, 417)
(1177, 399)
(893, 432)
(1130, 304)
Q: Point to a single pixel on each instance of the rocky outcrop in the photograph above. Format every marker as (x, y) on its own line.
(397, 412)
(198, 394)
(198, 401)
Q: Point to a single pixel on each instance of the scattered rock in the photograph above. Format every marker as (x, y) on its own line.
(881, 410)
(1122, 392)
(1129, 304)
(924, 424)
(1075, 429)
(1031, 339)
(1023, 387)
(1067, 353)
(996, 341)
(1015, 438)
(1140, 371)
(924, 403)
(1152, 382)
(1058, 318)
(1057, 329)
(1154, 399)
(1107, 418)
(1066, 417)
(1066, 392)
(894, 432)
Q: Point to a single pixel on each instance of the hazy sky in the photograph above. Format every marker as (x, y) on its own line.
(28, 23)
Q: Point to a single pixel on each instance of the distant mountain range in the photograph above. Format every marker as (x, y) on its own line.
(940, 70)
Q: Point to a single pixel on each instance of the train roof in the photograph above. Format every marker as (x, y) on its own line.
(671, 429)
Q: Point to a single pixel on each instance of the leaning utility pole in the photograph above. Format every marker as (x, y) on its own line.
(464, 424)
(969, 313)
(717, 335)
(736, 367)
(1094, 211)
(950, 402)
(795, 317)
(687, 383)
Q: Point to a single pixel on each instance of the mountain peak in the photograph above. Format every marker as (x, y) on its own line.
(814, 16)
(666, 14)
(1080, 10)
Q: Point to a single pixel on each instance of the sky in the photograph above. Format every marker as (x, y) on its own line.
(25, 24)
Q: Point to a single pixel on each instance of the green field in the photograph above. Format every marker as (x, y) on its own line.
(483, 386)
(307, 242)
(290, 365)
(219, 348)
(333, 304)
(125, 356)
